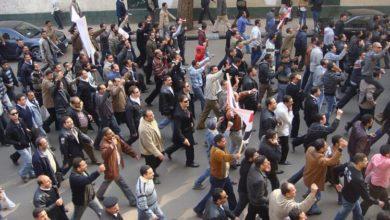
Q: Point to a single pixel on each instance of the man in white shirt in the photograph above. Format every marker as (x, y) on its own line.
(284, 117)
(328, 37)
(255, 42)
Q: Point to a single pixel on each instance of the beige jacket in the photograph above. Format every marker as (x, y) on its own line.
(47, 93)
(164, 18)
(150, 138)
(280, 206)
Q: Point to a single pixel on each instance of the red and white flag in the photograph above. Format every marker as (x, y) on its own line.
(247, 116)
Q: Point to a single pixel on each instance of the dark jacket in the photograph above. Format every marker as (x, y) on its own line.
(82, 188)
(318, 130)
(42, 166)
(107, 216)
(25, 72)
(360, 141)
(190, 97)
(70, 146)
(20, 139)
(301, 41)
(250, 102)
(46, 199)
(104, 105)
(257, 187)
(177, 75)
(84, 92)
(133, 113)
(73, 114)
(310, 109)
(214, 212)
(120, 9)
(265, 73)
(244, 169)
(61, 101)
(339, 28)
(167, 102)
(26, 114)
(272, 153)
(295, 92)
(331, 81)
(267, 121)
(183, 126)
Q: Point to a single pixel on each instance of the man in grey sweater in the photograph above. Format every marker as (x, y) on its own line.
(257, 188)
(147, 201)
(371, 60)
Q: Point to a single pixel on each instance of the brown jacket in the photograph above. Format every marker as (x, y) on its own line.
(110, 156)
(316, 167)
(219, 162)
(118, 98)
(47, 93)
(77, 44)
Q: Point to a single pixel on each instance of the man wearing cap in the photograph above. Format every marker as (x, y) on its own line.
(111, 209)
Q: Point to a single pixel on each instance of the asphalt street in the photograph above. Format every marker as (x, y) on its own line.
(175, 193)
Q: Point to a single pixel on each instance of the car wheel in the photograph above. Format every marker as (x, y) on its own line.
(36, 54)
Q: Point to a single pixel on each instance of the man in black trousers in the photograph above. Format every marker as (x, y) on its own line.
(205, 11)
(294, 90)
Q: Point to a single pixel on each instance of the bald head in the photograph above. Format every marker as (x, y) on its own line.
(44, 182)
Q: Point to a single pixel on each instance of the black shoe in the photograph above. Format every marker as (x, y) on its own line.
(193, 165)
(149, 83)
(198, 214)
(53, 148)
(46, 128)
(14, 160)
(133, 203)
(279, 171)
(168, 155)
(347, 126)
(100, 198)
(149, 104)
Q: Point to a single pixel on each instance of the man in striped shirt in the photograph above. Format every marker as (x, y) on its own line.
(147, 204)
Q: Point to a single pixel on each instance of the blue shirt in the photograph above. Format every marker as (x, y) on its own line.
(241, 24)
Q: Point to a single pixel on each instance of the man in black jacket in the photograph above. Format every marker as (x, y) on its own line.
(48, 198)
(183, 129)
(19, 136)
(339, 27)
(257, 189)
(133, 113)
(294, 90)
(45, 162)
(246, 163)
(205, 11)
(310, 108)
(354, 188)
(83, 194)
(266, 73)
(85, 91)
(167, 102)
(217, 208)
(267, 117)
(81, 118)
(249, 85)
(72, 142)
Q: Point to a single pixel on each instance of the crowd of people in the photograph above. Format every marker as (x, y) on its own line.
(83, 97)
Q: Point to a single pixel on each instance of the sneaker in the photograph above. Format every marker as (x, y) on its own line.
(25, 179)
(198, 187)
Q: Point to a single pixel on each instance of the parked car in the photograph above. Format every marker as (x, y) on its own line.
(30, 34)
(358, 20)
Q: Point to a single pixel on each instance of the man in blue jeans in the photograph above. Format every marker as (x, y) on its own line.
(354, 188)
(316, 10)
(219, 173)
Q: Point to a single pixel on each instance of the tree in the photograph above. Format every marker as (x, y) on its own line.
(185, 10)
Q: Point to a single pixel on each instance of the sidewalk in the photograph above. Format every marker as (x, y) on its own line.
(193, 34)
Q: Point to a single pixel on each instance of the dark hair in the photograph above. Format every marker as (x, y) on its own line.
(166, 77)
(323, 62)
(318, 117)
(304, 27)
(99, 87)
(250, 69)
(319, 42)
(267, 56)
(132, 88)
(204, 25)
(314, 89)
(193, 63)
(182, 98)
(249, 152)
(37, 211)
(336, 138)
(257, 21)
(358, 157)
(287, 98)
(293, 76)
(319, 144)
(385, 149)
(284, 188)
(270, 133)
(19, 96)
(259, 160)
(294, 213)
(218, 138)
(47, 21)
(164, 4)
(343, 14)
(365, 119)
(217, 194)
(144, 169)
(76, 162)
(268, 101)
(63, 119)
(3, 62)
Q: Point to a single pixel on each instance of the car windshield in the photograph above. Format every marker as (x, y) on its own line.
(27, 30)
